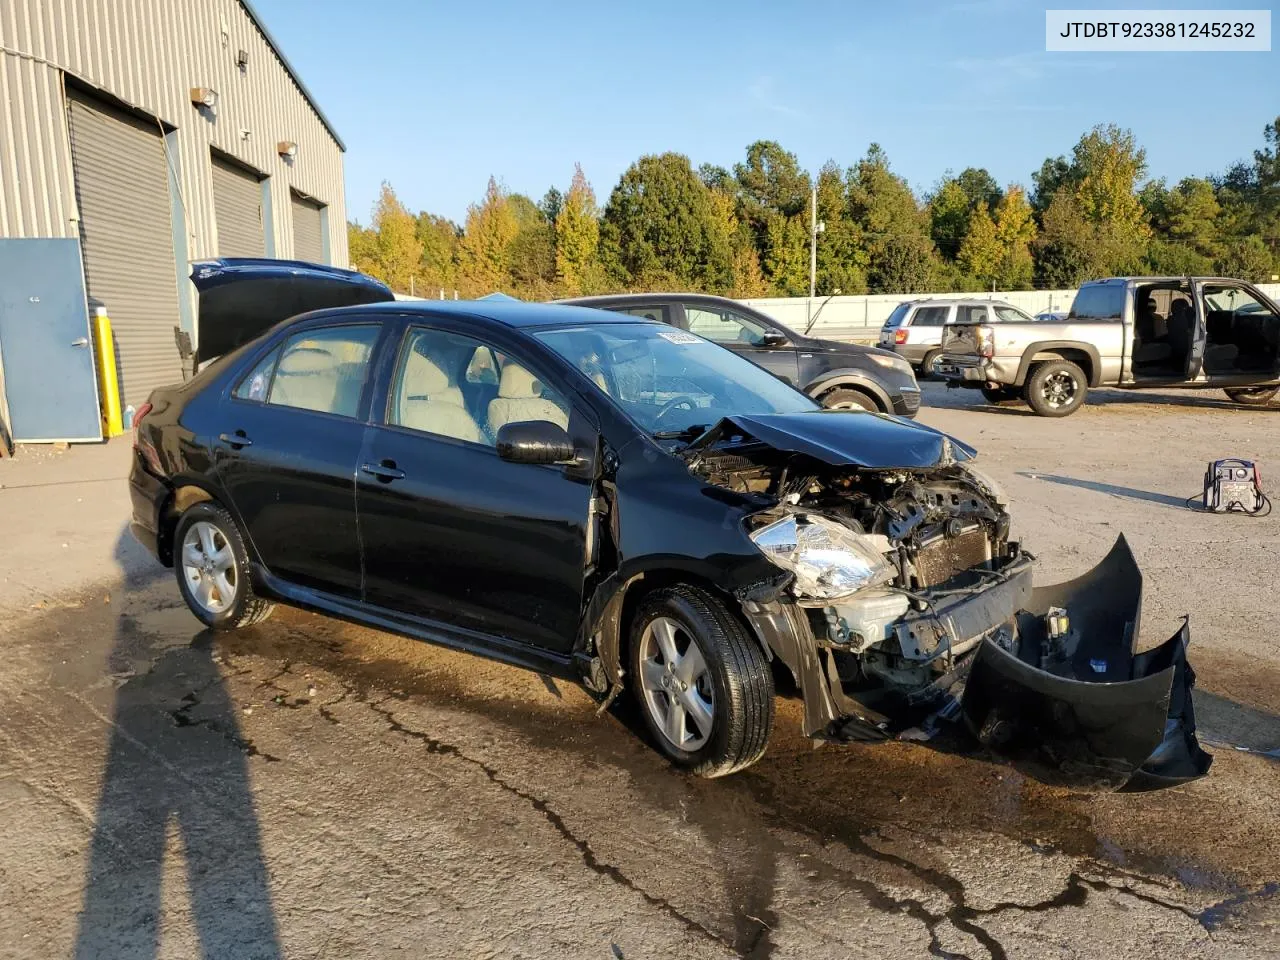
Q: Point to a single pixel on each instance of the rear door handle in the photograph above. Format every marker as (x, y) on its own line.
(386, 471)
(237, 439)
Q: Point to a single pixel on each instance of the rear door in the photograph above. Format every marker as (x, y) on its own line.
(287, 448)
(451, 531)
(764, 345)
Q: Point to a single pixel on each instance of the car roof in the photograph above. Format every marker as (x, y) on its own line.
(958, 301)
(510, 313)
(643, 298)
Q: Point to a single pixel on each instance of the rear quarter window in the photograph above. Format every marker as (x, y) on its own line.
(1099, 302)
(895, 318)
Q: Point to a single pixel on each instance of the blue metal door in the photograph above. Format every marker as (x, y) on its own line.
(46, 346)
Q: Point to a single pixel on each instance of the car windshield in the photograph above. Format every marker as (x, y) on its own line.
(670, 382)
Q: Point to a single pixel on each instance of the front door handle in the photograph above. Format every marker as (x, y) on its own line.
(80, 342)
(386, 471)
(236, 440)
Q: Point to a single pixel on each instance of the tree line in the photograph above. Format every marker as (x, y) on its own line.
(745, 232)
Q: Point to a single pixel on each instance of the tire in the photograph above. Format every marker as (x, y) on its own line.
(1000, 395)
(926, 365)
(1252, 396)
(198, 570)
(734, 679)
(1048, 383)
(846, 398)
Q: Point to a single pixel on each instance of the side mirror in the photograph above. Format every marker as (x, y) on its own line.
(774, 338)
(534, 441)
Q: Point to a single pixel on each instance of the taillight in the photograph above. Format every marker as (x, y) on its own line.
(986, 341)
(900, 336)
(142, 411)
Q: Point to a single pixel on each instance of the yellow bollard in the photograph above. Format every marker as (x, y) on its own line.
(108, 385)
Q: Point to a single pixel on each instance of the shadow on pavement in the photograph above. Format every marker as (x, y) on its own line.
(1111, 489)
(162, 772)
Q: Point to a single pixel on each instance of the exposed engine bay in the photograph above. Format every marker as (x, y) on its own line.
(920, 609)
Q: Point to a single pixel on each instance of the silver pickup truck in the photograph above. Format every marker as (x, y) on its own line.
(1130, 332)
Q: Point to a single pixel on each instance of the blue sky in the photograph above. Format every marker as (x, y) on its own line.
(434, 97)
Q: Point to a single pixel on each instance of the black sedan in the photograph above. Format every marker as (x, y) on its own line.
(600, 497)
(840, 376)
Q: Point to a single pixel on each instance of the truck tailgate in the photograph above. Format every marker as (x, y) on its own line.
(960, 339)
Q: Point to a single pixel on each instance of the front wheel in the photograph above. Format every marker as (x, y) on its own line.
(1252, 396)
(213, 569)
(849, 399)
(1056, 388)
(702, 682)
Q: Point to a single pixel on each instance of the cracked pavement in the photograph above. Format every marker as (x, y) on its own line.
(313, 789)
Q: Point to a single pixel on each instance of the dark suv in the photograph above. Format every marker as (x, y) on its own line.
(840, 376)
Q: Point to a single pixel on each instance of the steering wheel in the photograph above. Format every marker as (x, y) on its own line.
(681, 401)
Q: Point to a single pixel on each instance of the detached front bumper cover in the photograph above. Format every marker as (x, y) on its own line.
(1084, 710)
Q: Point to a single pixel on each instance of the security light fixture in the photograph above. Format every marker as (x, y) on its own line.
(242, 59)
(287, 149)
(204, 97)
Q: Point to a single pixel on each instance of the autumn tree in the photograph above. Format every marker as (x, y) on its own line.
(439, 240)
(578, 238)
(842, 254)
(532, 254)
(484, 253)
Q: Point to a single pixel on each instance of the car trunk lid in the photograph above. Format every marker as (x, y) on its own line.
(241, 298)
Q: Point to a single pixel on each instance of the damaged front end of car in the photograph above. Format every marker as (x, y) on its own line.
(902, 603)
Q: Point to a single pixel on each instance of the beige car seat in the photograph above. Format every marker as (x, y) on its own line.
(520, 398)
(428, 402)
(306, 378)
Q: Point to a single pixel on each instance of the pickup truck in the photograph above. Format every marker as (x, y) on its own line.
(1128, 332)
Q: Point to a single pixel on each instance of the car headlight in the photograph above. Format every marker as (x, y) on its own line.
(892, 361)
(827, 559)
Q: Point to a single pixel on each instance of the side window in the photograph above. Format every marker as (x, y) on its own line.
(257, 381)
(427, 393)
(723, 326)
(1010, 314)
(654, 311)
(324, 370)
(1099, 301)
(971, 314)
(930, 317)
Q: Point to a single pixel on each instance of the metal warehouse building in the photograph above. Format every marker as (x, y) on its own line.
(157, 132)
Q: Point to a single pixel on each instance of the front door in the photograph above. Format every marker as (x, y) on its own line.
(288, 441)
(762, 345)
(1241, 333)
(45, 344)
(451, 531)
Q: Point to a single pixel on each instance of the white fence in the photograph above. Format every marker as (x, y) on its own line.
(860, 318)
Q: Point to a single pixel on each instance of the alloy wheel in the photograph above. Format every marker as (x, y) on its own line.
(677, 687)
(209, 567)
(1060, 389)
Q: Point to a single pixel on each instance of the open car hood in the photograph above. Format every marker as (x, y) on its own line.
(842, 437)
(242, 298)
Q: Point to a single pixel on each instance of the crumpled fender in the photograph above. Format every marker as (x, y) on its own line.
(1098, 717)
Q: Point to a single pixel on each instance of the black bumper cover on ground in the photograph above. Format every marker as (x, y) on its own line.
(1092, 714)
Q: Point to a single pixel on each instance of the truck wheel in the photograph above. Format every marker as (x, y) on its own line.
(1252, 396)
(213, 570)
(999, 395)
(1056, 388)
(702, 682)
(849, 399)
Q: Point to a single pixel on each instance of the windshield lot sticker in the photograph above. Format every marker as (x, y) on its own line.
(677, 336)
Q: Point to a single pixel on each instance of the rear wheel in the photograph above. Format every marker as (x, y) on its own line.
(926, 365)
(849, 399)
(702, 682)
(1056, 388)
(213, 569)
(1252, 396)
(998, 395)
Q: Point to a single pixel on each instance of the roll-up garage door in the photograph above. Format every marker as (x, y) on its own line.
(237, 203)
(122, 190)
(308, 230)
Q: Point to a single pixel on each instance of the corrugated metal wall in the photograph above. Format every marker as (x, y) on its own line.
(149, 54)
